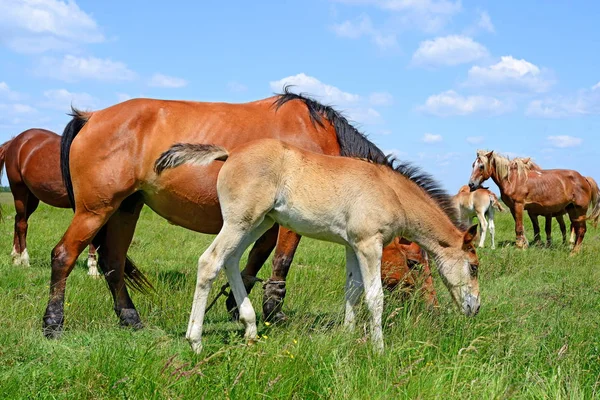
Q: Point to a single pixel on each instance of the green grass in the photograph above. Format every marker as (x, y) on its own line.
(535, 337)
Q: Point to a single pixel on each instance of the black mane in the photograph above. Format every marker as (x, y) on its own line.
(354, 143)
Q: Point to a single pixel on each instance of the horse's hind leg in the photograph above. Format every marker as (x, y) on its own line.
(92, 261)
(80, 233)
(492, 225)
(258, 256)
(274, 287)
(25, 204)
(484, 226)
(113, 242)
(536, 228)
(578, 224)
(549, 230)
(563, 228)
(225, 250)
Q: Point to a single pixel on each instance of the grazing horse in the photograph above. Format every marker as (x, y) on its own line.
(359, 204)
(32, 163)
(404, 265)
(524, 186)
(480, 203)
(107, 159)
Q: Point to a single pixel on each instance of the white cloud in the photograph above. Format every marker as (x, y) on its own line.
(451, 103)
(303, 83)
(485, 22)
(165, 81)
(364, 27)
(596, 86)
(563, 141)
(7, 93)
(584, 102)
(236, 87)
(121, 97)
(448, 50)
(16, 114)
(72, 69)
(511, 74)
(431, 138)
(475, 139)
(381, 99)
(35, 26)
(364, 115)
(62, 99)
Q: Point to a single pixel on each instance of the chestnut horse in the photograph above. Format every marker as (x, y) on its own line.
(480, 203)
(524, 186)
(107, 159)
(356, 203)
(32, 163)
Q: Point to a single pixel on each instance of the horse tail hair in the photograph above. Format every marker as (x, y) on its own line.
(2, 156)
(595, 201)
(80, 118)
(189, 153)
(495, 202)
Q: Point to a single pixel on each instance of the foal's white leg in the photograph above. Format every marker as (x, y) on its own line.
(232, 269)
(93, 264)
(484, 225)
(492, 225)
(354, 287)
(369, 261)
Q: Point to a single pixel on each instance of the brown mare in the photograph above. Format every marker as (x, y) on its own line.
(525, 186)
(32, 163)
(107, 159)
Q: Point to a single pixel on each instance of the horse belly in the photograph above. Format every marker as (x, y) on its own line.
(188, 198)
(310, 224)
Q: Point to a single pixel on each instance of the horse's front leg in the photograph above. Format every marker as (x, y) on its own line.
(521, 241)
(274, 288)
(537, 237)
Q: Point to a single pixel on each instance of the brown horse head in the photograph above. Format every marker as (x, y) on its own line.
(482, 169)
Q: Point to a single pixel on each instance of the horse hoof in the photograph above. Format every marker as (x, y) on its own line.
(276, 317)
(52, 327)
(130, 318)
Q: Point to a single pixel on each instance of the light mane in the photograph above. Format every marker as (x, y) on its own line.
(505, 164)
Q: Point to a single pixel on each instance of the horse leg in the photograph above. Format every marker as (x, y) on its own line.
(369, 262)
(578, 218)
(428, 288)
(521, 241)
(484, 225)
(92, 261)
(113, 242)
(492, 225)
(258, 256)
(548, 229)
(274, 287)
(354, 288)
(21, 195)
(226, 250)
(537, 238)
(563, 228)
(81, 231)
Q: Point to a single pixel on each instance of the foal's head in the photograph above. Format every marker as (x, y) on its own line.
(458, 268)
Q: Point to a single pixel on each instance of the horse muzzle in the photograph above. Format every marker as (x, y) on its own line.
(470, 306)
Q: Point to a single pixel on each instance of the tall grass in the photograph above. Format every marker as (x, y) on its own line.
(535, 337)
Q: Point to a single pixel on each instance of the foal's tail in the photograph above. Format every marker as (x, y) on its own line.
(133, 277)
(189, 153)
(495, 202)
(2, 155)
(595, 201)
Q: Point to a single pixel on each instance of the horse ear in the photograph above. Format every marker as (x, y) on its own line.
(526, 160)
(470, 234)
(488, 155)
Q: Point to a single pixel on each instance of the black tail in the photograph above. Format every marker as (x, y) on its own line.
(71, 130)
(134, 279)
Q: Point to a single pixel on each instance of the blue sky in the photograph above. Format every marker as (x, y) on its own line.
(431, 80)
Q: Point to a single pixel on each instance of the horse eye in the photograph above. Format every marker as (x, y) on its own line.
(473, 269)
(481, 167)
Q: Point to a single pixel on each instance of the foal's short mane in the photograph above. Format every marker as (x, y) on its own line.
(504, 164)
(355, 144)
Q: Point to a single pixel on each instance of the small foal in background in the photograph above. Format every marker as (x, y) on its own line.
(479, 203)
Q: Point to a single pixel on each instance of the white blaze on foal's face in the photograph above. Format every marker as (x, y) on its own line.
(460, 272)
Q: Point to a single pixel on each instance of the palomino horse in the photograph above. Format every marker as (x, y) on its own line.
(32, 162)
(524, 186)
(359, 204)
(480, 203)
(404, 265)
(107, 159)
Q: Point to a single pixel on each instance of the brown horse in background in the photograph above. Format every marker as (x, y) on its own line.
(525, 186)
(404, 266)
(107, 160)
(32, 163)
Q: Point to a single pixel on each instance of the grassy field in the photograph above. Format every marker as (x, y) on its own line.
(537, 335)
